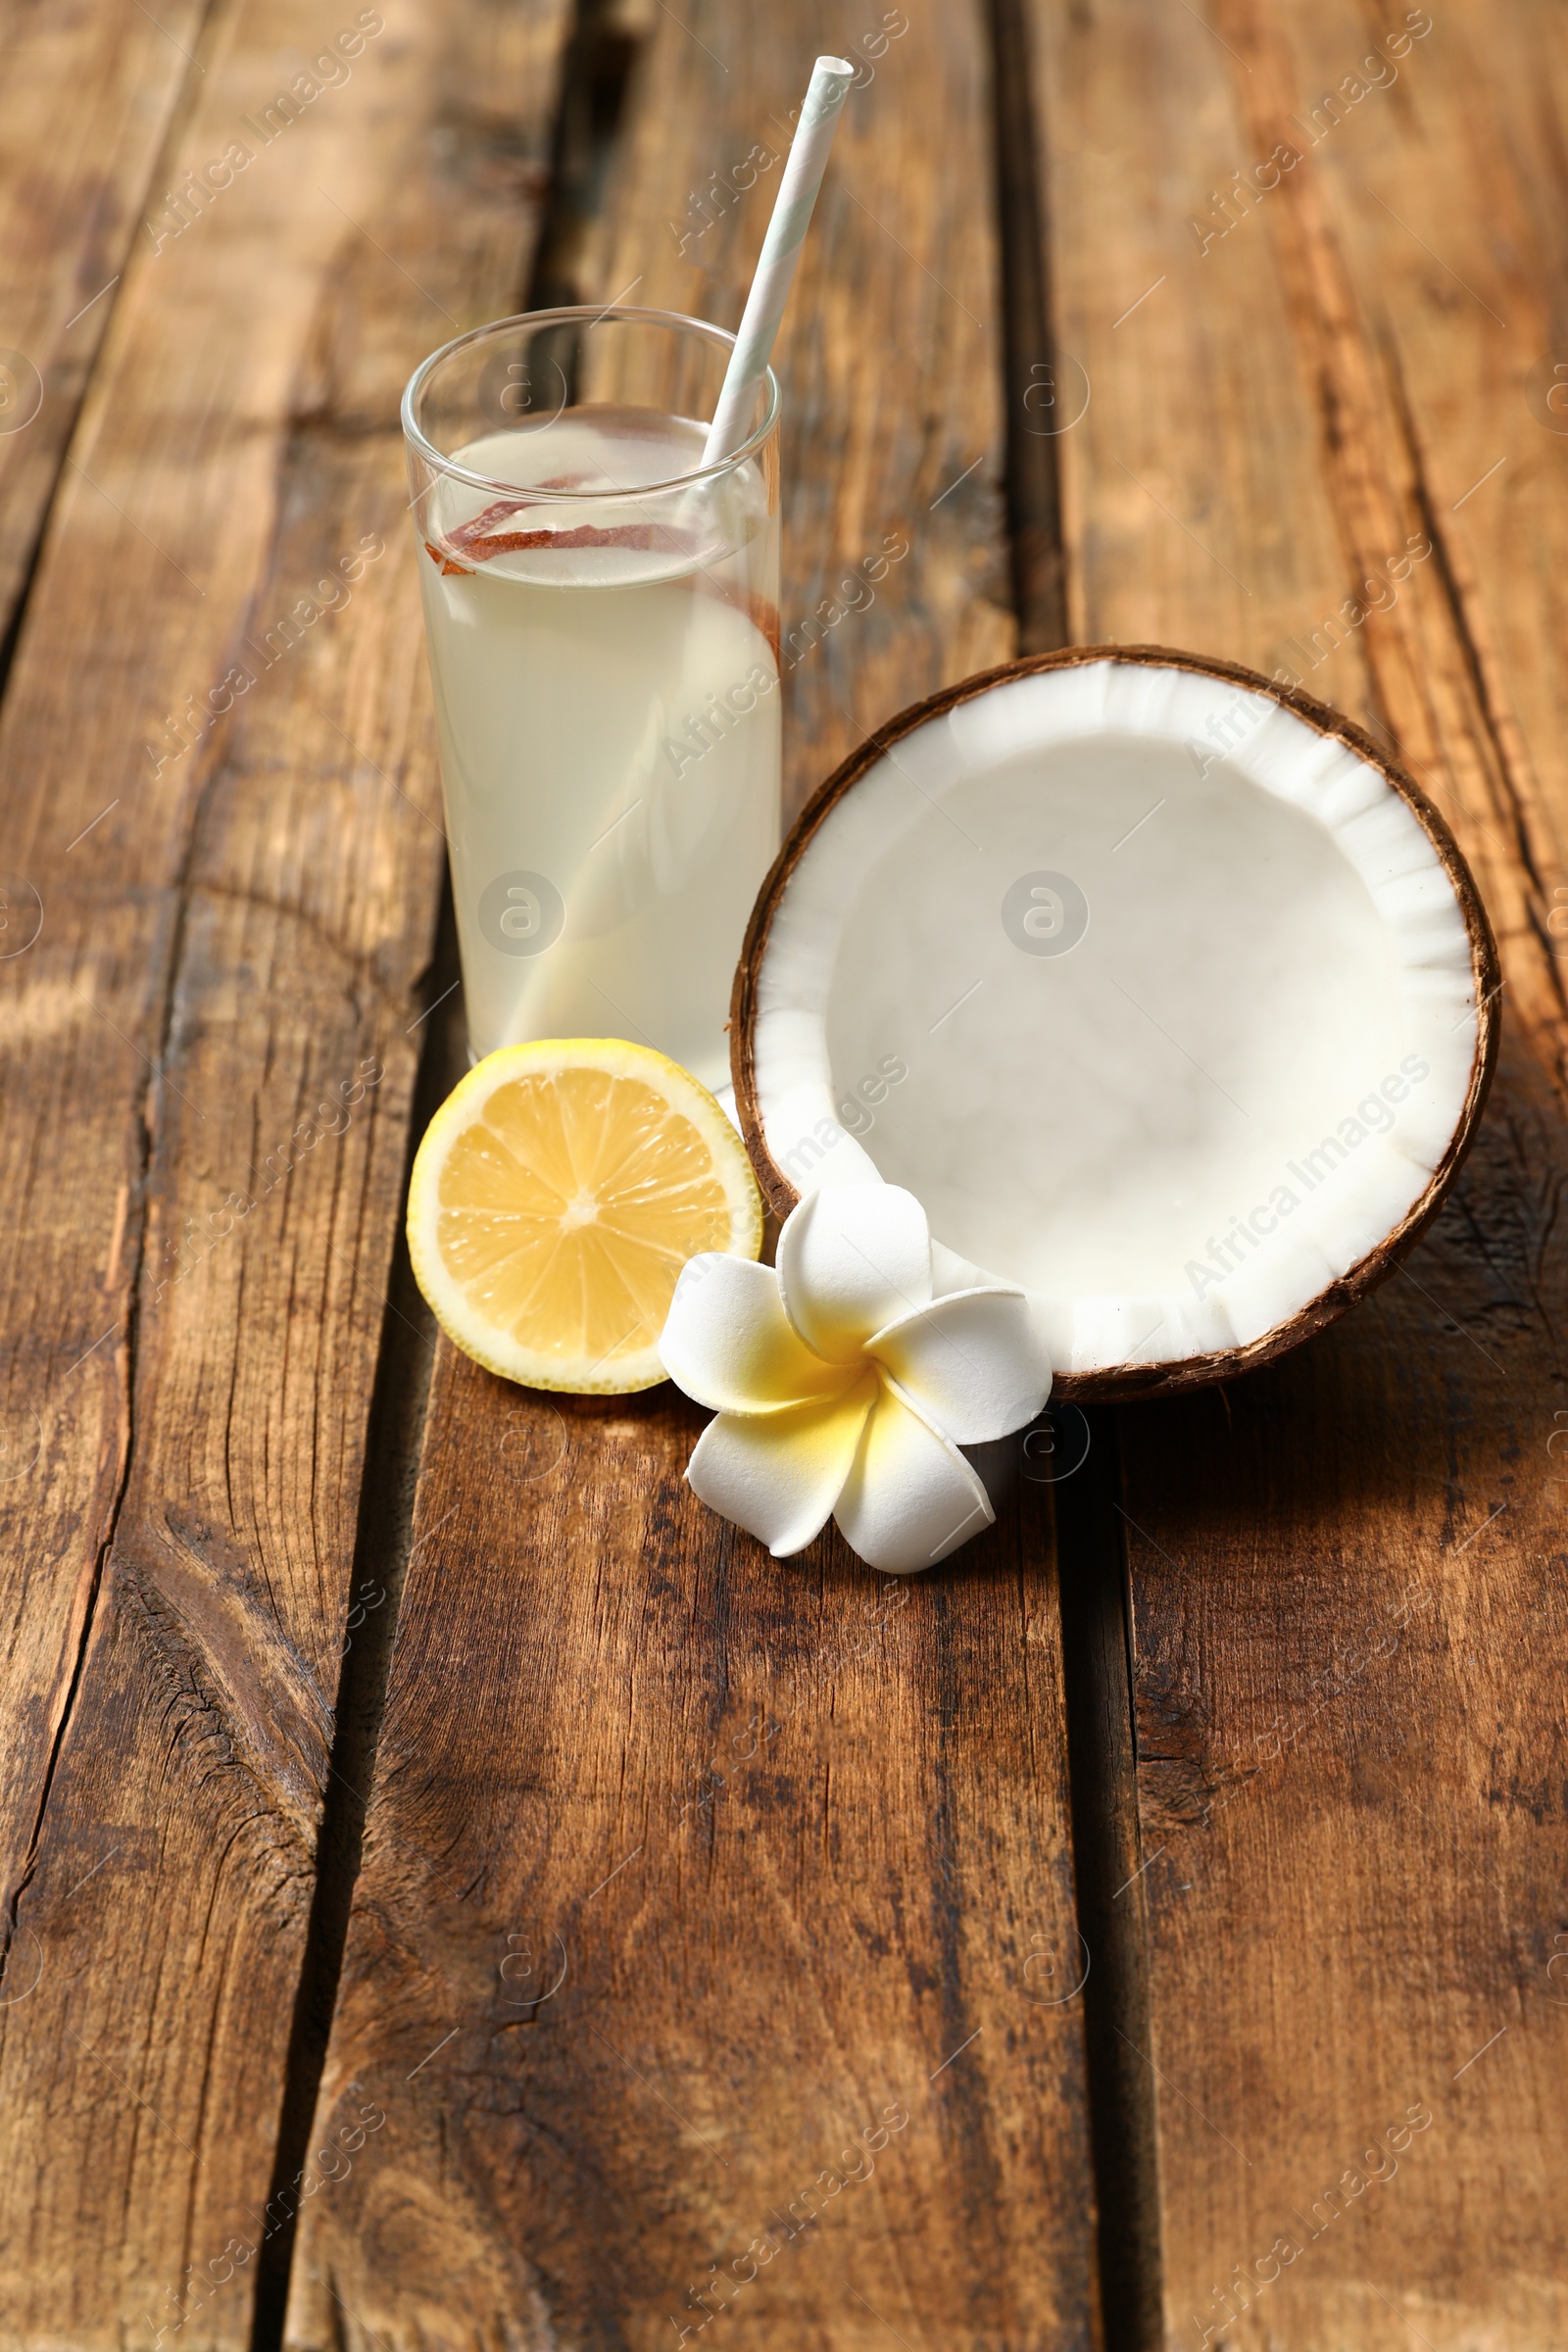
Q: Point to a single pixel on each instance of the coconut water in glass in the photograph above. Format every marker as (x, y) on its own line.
(602, 618)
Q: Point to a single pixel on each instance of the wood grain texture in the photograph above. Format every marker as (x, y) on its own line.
(690, 1873)
(236, 939)
(1345, 1571)
(86, 100)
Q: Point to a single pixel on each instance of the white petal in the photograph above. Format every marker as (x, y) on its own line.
(911, 1497)
(971, 1361)
(852, 1257)
(778, 1475)
(728, 1343)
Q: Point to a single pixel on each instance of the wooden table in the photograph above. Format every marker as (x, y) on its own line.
(458, 1893)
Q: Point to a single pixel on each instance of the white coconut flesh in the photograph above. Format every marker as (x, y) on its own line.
(1173, 1113)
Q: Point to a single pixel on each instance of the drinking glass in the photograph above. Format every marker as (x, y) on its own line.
(601, 613)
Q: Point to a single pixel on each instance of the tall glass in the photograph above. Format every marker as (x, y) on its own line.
(602, 616)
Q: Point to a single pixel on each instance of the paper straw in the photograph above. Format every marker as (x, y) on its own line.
(803, 168)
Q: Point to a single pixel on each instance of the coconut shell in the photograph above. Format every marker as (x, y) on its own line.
(1124, 1381)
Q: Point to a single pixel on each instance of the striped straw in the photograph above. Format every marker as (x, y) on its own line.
(803, 168)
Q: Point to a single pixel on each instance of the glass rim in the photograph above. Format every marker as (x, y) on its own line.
(578, 313)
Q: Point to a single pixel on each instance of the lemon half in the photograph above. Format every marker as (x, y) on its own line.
(556, 1195)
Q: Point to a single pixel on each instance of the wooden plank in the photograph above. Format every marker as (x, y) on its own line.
(85, 103)
(235, 925)
(724, 1869)
(1345, 1623)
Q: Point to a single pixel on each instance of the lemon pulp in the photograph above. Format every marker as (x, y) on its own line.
(556, 1197)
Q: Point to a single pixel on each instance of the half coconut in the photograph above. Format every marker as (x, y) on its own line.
(1164, 990)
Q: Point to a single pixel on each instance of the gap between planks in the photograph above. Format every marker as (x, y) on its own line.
(382, 1551)
(1091, 1554)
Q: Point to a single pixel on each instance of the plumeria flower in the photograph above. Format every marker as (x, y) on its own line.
(843, 1388)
